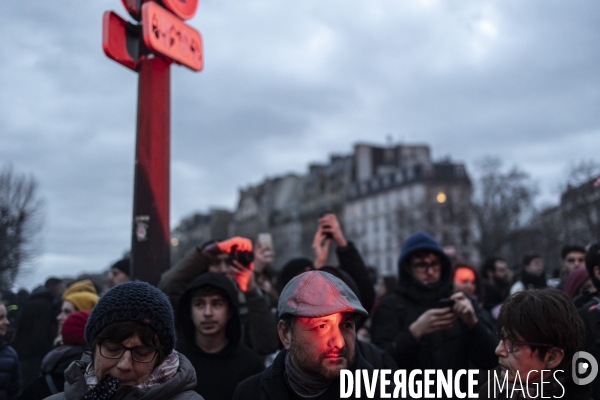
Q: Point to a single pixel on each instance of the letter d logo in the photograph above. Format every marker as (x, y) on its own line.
(583, 367)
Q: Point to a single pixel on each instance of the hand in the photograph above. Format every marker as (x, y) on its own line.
(244, 276)
(263, 256)
(330, 224)
(241, 244)
(463, 308)
(435, 319)
(321, 248)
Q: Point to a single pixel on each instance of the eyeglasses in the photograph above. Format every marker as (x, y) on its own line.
(425, 266)
(140, 354)
(510, 344)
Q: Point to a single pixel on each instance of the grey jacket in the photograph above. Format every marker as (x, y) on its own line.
(179, 387)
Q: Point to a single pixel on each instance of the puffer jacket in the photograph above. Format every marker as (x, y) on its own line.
(179, 387)
(9, 371)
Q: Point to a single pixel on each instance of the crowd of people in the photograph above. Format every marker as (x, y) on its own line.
(223, 324)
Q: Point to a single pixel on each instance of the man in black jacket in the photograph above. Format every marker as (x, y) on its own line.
(209, 333)
(317, 328)
(416, 329)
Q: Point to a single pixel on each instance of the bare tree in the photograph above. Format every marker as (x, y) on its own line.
(580, 203)
(20, 221)
(503, 204)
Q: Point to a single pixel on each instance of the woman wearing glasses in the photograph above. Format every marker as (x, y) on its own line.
(540, 332)
(131, 333)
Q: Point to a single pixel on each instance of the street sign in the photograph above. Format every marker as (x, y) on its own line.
(120, 40)
(166, 34)
(184, 9)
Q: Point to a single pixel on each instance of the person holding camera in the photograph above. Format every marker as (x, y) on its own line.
(233, 258)
(423, 325)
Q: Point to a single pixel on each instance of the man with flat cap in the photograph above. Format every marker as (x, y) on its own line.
(317, 314)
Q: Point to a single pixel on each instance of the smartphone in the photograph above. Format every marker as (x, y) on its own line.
(445, 302)
(324, 213)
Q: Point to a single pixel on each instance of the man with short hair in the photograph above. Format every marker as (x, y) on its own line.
(210, 329)
(317, 328)
(423, 325)
(496, 282)
(573, 258)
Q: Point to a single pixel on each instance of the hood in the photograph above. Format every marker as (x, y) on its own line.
(423, 241)
(185, 326)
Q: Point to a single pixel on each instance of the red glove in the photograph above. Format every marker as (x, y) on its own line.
(235, 243)
(239, 243)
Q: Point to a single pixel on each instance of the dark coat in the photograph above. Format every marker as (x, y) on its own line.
(456, 348)
(352, 263)
(53, 368)
(9, 371)
(36, 329)
(219, 373)
(271, 384)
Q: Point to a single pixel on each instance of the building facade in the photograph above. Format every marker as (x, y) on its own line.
(381, 195)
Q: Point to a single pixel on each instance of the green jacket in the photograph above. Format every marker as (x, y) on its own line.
(179, 387)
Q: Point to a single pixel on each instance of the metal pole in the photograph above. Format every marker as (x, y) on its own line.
(150, 243)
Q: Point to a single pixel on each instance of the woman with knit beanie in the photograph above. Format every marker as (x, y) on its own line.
(74, 301)
(131, 334)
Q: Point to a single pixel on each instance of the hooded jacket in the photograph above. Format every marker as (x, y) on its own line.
(218, 373)
(454, 348)
(179, 387)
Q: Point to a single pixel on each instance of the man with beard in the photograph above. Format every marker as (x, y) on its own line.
(496, 283)
(317, 328)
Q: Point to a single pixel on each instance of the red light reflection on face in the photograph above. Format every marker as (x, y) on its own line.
(323, 346)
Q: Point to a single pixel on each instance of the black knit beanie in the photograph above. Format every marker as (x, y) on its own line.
(136, 302)
(123, 265)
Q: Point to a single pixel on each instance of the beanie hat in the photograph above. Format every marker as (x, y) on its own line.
(74, 327)
(134, 301)
(575, 281)
(80, 286)
(83, 301)
(293, 268)
(123, 265)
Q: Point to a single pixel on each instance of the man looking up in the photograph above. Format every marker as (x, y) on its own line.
(317, 329)
(210, 329)
(418, 330)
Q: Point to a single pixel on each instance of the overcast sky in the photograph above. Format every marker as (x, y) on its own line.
(284, 84)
